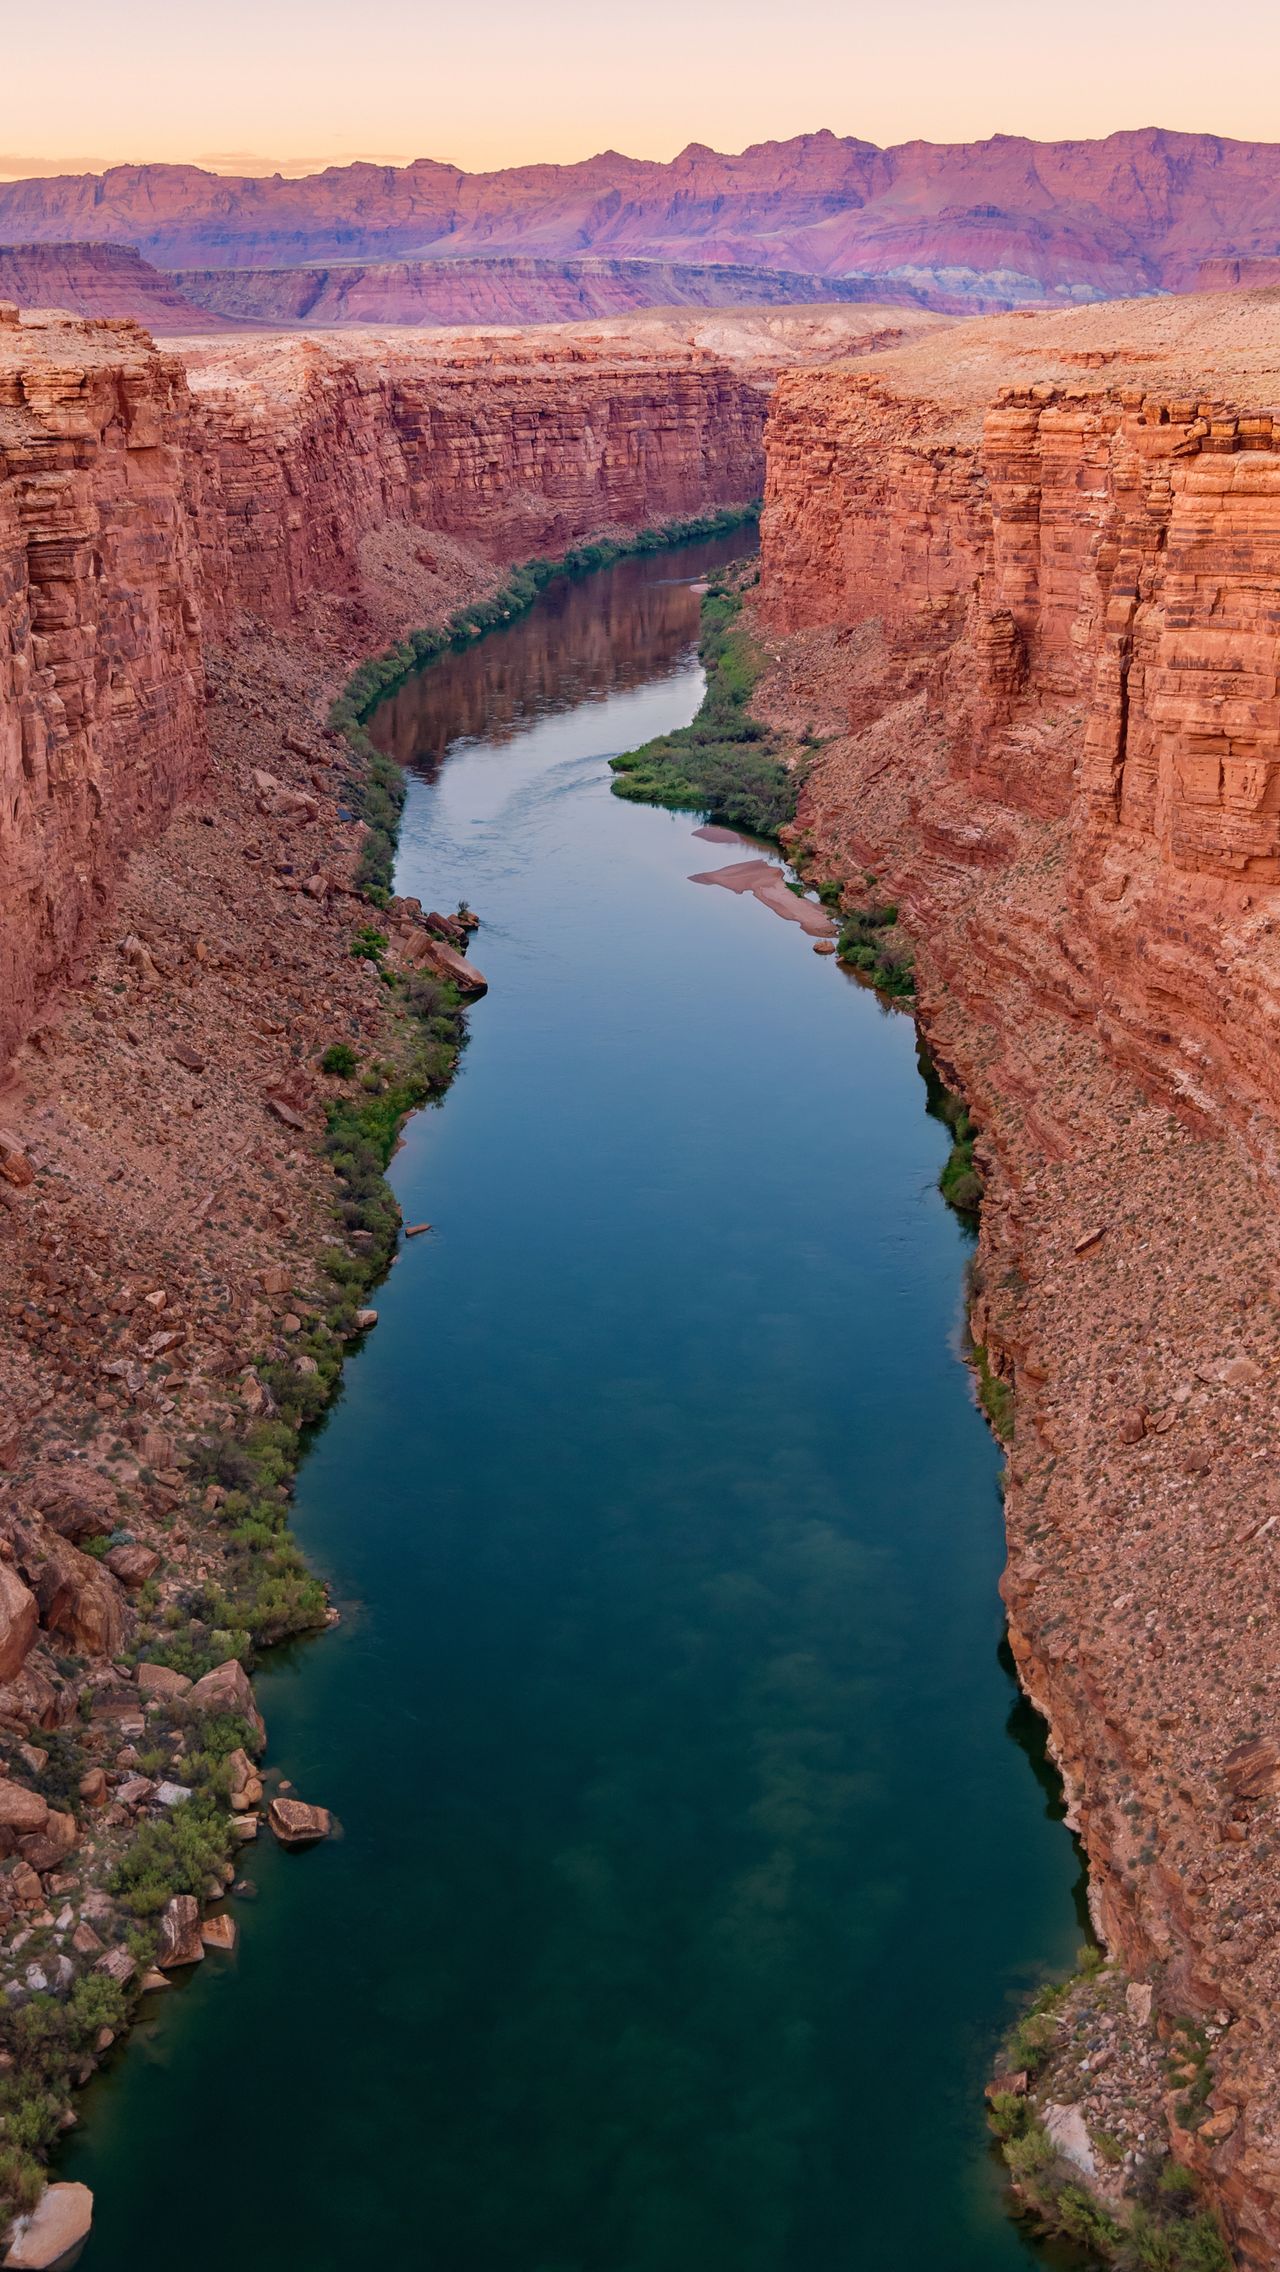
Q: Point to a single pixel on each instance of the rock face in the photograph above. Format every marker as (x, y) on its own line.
(101, 682)
(1026, 579)
(985, 224)
(100, 280)
(19, 1616)
(55, 2231)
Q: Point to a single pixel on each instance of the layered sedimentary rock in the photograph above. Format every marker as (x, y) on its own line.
(100, 280)
(519, 445)
(512, 290)
(101, 673)
(1029, 583)
(968, 225)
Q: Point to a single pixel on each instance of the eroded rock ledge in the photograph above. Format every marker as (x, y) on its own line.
(1027, 581)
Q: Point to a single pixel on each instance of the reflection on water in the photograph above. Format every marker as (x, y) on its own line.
(579, 644)
(688, 1870)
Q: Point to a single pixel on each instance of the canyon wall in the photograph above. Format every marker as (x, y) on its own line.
(100, 280)
(1093, 576)
(1024, 584)
(101, 676)
(145, 509)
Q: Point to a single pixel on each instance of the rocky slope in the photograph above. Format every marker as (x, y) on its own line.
(100, 280)
(1026, 581)
(983, 224)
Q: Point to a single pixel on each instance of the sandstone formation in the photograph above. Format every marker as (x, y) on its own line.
(968, 225)
(1027, 582)
(55, 2231)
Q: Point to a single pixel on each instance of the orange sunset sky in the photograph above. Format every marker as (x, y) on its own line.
(254, 84)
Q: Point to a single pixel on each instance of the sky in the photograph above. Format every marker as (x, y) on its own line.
(252, 85)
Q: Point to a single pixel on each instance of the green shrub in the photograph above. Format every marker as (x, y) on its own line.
(339, 1059)
(726, 765)
(175, 1854)
(995, 1396)
(871, 942)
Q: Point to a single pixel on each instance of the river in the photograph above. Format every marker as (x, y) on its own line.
(695, 1844)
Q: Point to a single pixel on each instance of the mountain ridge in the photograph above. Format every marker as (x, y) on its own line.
(1005, 221)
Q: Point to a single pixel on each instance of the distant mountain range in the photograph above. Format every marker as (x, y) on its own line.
(976, 226)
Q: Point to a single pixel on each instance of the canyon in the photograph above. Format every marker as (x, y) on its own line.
(194, 552)
(148, 501)
(1019, 582)
(963, 226)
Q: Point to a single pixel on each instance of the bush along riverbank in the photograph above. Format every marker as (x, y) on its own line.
(725, 765)
(378, 787)
(1085, 2092)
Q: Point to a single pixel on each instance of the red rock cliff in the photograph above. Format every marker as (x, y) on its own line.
(101, 681)
(1027, 580)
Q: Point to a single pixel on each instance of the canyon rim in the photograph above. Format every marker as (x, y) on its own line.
(1019, 607)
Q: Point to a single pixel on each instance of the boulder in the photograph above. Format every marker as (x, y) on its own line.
(246, 1784)
(162, 1680)
(298, 1825)
(1067, 2128)
(20, 1809)
(24, 1887)
(180, 1941)
(132, 1565)
(15, 1167)
(93, 1787)
(118, 1965)
(55, 2231)
(19, 1618)
(50, 1846)
(219, 1933)
(228, 1690)
(76, 1596)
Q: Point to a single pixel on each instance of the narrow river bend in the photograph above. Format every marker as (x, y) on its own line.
(692, 1856)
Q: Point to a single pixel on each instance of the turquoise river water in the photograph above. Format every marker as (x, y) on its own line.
(696, 1845)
